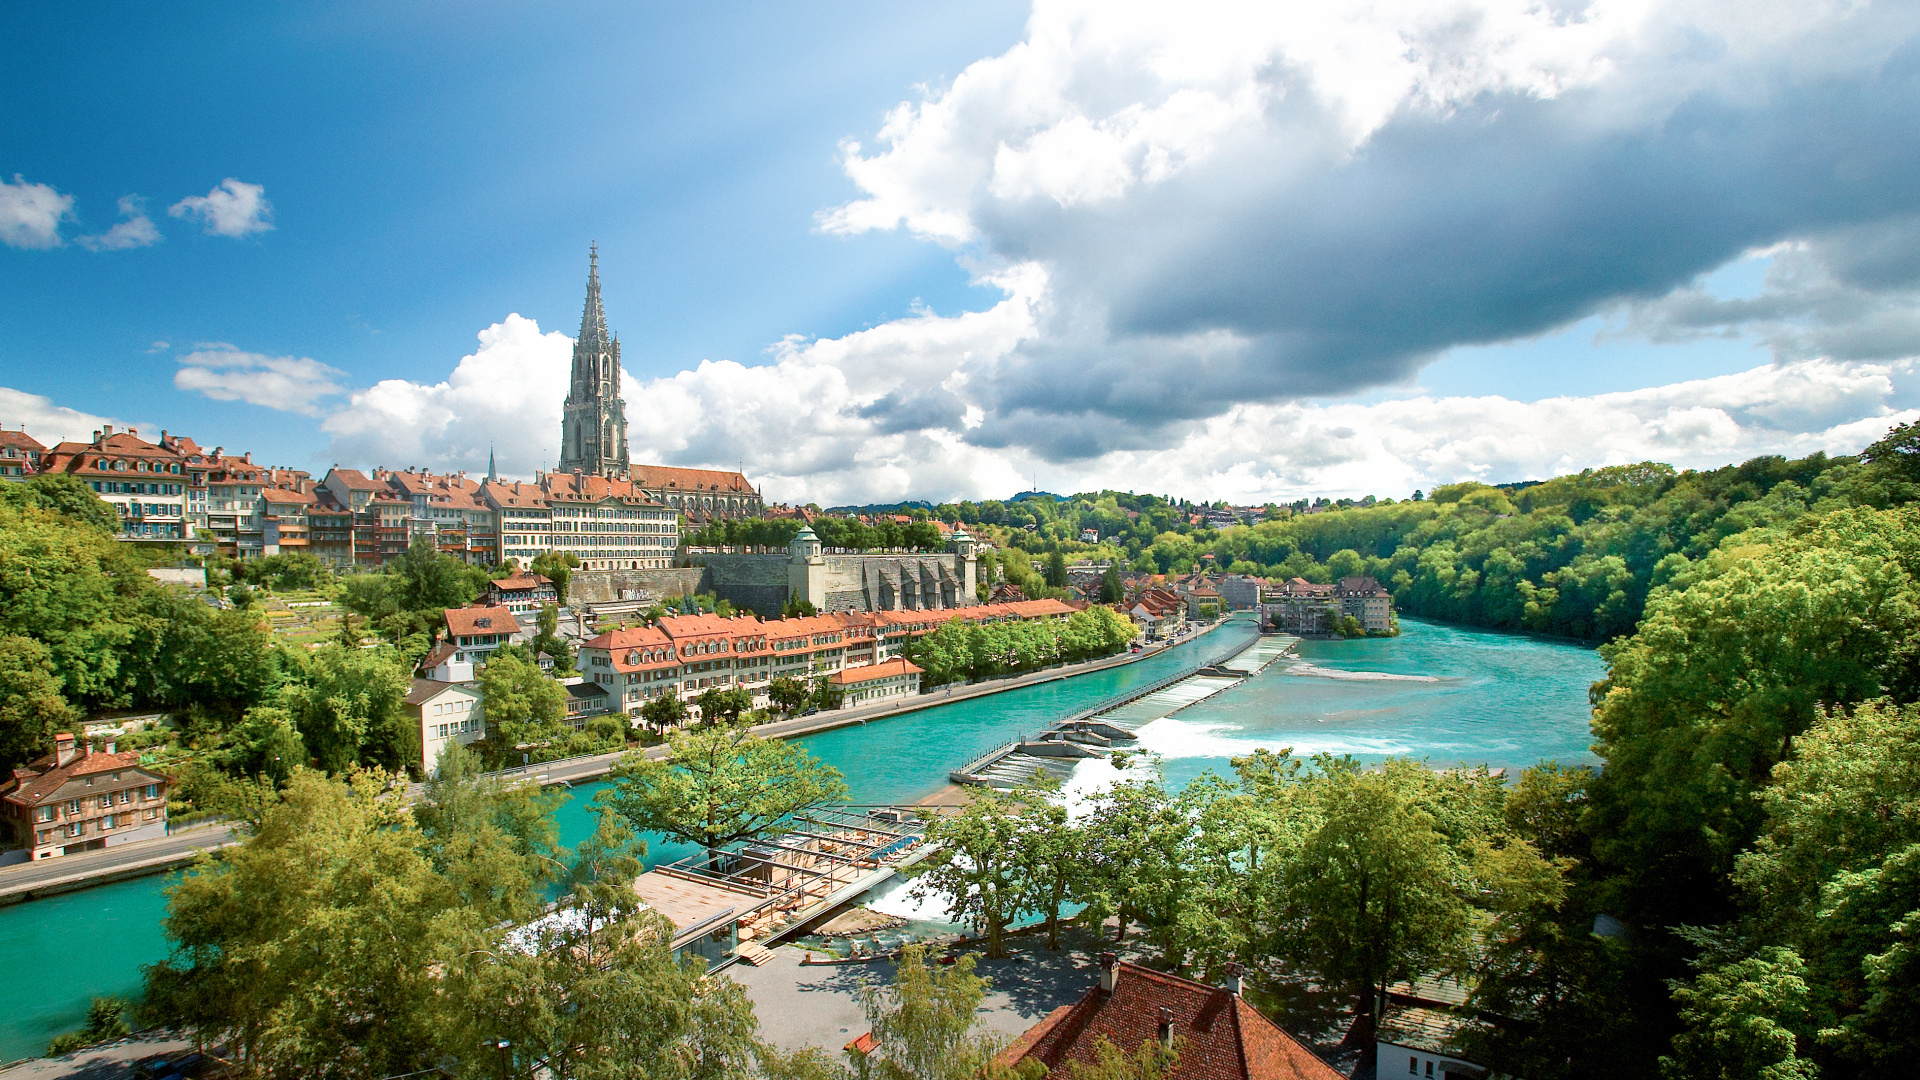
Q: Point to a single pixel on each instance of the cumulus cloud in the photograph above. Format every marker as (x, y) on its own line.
(135, 229)
(30, 214)
(287, 383)
(44, 420)
(504, 396)
(886, 414)
(1232, 203)
(233, 208)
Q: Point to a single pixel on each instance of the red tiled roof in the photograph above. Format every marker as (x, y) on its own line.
(425, 690)
(439, 654)
(1219, 1035)
(352, 480)
(883, 670)
(666, 476)
(481, 620)
(520, 582)
(20, 439)
(45, 778)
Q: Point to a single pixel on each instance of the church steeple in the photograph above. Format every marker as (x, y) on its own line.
(593, 428)
(493, 475)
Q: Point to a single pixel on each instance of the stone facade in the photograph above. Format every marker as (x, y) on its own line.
(865, 582)
(593, 424)
(612, 586)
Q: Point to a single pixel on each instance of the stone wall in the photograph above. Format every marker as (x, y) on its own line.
(605, 586)
(758, 582)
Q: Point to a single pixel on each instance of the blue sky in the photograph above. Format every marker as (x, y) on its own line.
(911, 250)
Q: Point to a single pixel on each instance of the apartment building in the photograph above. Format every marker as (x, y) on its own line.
(524, 519)
(77, 799)
(609, 524)
(686, 655)
(20, 455)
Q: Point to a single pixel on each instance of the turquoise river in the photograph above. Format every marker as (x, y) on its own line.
(1438, 693)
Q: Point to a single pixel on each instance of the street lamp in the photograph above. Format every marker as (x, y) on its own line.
(503, 1046)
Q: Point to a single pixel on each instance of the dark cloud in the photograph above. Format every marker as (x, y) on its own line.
(1498, 221)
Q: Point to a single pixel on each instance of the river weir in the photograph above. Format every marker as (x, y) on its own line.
(1113, 724)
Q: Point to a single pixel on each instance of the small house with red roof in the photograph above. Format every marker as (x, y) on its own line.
(1213, 1032)
(520, 593)
(884, 681)
(477, 631)
(78, 799)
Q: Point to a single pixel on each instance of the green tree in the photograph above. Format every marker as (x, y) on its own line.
(312, 947)
(524, 707)
(557, 567)
(347, 705)
(1835, 878)
(1744, 1018)
(431, 580)
(31, 705)
(975, 867)
(788, 694)
(665, 711)
(67, 496)
(720, 705)
(718, 785)
(1112, 589)
(594, 990)
(925, 1023)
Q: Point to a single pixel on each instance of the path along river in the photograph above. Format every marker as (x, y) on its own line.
(1463, 696)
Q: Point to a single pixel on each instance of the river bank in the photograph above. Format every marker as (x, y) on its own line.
(1499, 699)
(30, 881)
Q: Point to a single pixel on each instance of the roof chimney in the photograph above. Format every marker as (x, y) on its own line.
(106, 429)
(110, 745)
(96, 434)
(1109, 971)
(1234, 972)
(1166, 1028)
(62, 748)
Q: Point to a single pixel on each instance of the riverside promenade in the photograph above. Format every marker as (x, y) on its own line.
(26, 881)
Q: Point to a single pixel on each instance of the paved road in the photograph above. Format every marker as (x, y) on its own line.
(51, 874)
(71, 870)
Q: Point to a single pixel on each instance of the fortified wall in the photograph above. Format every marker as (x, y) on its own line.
(647, 586)
(845, 582)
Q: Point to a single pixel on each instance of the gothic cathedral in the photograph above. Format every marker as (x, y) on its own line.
(593, 429)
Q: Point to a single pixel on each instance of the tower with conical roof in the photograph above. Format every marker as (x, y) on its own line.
(593, 424)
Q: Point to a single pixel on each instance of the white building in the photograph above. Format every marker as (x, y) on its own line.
(447, 713)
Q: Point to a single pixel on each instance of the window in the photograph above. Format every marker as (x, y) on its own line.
(152, 791)
(1413, 1065)
(73, 808)
(43, 813)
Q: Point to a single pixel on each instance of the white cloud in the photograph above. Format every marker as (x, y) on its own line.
(287, 383)
(233, 208)
(136, 230)
(30, 214)
(819, 423)
(505, 396)
(1234, 202)
(46, 421)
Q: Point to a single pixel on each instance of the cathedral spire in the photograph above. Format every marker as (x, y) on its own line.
(493, 475)
(593, 318)
(593, 428)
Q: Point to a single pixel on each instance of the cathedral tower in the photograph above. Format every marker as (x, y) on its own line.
(593, 427)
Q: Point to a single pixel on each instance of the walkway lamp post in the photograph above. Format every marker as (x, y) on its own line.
(503, 1046)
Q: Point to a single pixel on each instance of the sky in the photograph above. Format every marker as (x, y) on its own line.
(870, 252)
